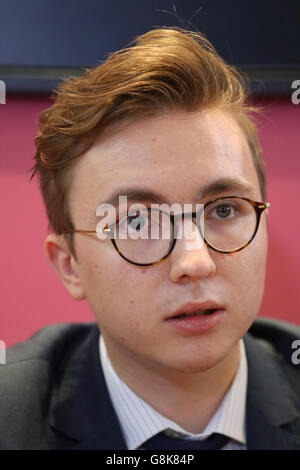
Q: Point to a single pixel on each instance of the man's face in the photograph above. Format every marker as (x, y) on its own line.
(174, 155)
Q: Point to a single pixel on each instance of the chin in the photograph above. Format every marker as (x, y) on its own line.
(193, 366)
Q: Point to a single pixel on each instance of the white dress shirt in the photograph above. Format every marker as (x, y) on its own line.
(139, 421)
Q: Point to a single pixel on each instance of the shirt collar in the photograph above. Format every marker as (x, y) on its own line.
(139, 421)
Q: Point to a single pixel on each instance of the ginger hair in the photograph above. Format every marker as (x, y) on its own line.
(167, 68)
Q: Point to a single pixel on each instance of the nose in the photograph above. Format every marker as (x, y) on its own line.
(190, 258)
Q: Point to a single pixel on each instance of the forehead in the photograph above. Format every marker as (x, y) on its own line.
(171, 154)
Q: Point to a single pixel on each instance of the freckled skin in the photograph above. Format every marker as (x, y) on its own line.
(130, 303)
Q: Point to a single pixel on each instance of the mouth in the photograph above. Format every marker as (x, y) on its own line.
(192, 309)
(197, 313)
(198, 318)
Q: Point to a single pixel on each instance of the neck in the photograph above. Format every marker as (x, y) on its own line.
(189, 399)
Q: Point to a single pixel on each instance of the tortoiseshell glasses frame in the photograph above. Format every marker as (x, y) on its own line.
(259, 207)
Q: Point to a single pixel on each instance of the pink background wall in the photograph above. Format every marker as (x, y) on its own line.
(32, 295)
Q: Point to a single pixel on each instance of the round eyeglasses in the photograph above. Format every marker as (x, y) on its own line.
(226, 224)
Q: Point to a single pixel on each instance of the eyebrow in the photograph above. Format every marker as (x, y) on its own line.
(208, 190)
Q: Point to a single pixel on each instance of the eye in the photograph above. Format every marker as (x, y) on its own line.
(222, 210)
(134, 222)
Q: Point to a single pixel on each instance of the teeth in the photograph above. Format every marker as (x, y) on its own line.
(199, 312)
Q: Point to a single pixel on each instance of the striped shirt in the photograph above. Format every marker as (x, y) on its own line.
(139, 421)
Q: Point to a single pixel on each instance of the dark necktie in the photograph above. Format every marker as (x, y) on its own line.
(163, 442)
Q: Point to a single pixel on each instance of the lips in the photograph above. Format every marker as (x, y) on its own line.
(206, 307)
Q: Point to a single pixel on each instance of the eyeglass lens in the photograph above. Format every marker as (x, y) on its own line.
(145, 235)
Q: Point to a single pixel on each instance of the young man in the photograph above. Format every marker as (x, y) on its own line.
(176, 358)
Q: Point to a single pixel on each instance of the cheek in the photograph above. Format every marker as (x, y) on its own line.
(245, 275)
(116, 291)
(251, 275)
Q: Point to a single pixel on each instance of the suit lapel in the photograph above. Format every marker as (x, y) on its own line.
(270, 402)
(82, 415)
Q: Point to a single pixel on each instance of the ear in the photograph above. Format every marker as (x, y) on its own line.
(64, 264)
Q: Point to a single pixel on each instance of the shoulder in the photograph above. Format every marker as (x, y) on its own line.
(29, 375)
(277, 335)
(275, 343)
(48, 342)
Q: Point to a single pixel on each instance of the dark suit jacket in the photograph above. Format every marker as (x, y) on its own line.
(53, 393)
